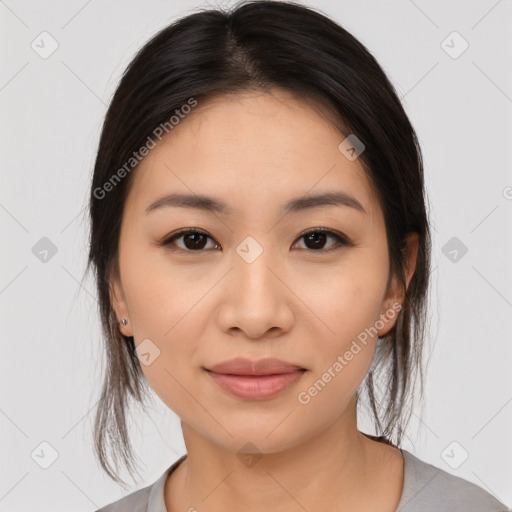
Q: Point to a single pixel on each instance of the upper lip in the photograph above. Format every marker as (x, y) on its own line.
(242, 366)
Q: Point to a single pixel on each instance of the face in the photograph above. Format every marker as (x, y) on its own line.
(306, 284)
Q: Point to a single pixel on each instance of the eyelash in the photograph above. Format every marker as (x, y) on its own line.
(341, 240)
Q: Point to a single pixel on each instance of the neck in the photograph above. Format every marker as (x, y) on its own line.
(336, 468)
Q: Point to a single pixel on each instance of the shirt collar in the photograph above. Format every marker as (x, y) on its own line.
(156, 502)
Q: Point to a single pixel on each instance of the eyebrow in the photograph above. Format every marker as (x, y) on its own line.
(210, 204)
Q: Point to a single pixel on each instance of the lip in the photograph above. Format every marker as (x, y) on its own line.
(255, 380)
(243, 366)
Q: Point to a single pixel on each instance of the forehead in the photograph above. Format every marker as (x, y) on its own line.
(252, 149)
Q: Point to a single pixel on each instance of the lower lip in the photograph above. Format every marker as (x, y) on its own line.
(255, 387)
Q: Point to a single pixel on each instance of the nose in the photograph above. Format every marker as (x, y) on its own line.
(256, 298)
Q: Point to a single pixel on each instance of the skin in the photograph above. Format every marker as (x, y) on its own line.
(255, 151)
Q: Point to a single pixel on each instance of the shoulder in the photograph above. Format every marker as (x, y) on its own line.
(150, 498)
(135, 502)
(427, 488)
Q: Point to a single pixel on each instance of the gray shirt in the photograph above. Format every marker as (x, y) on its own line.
(426, 489)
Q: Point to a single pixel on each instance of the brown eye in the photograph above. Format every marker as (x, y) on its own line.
(193, 240)
(317, 238)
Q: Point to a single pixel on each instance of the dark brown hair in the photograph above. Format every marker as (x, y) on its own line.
(257, 45)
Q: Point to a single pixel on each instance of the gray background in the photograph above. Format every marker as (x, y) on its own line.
(52, 110)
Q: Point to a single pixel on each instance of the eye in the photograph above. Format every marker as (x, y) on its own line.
(193, 239)
(316, 238)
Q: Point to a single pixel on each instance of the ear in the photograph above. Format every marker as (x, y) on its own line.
(395, 295)
(118, 302)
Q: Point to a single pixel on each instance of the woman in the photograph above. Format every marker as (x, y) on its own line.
(261, 246)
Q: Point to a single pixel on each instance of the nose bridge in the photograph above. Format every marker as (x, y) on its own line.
(256, 302)
(253, 261)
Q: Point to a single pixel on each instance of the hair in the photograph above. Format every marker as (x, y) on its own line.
(258, 45)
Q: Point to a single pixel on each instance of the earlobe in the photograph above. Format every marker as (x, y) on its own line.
(390, 307)
(120, 307)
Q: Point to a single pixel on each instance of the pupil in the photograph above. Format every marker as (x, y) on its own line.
(315, 238)
(194, 242)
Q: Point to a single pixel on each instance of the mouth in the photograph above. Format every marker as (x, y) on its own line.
(256, 386)
(257, 367)
(257, 379)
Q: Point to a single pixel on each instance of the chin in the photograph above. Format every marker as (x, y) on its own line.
(254, 439)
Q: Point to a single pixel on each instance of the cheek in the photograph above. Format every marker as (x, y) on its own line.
(348, 301)
(160, 294)
(348, 296)
(163, 301)
(350, 307)
(164, 307)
